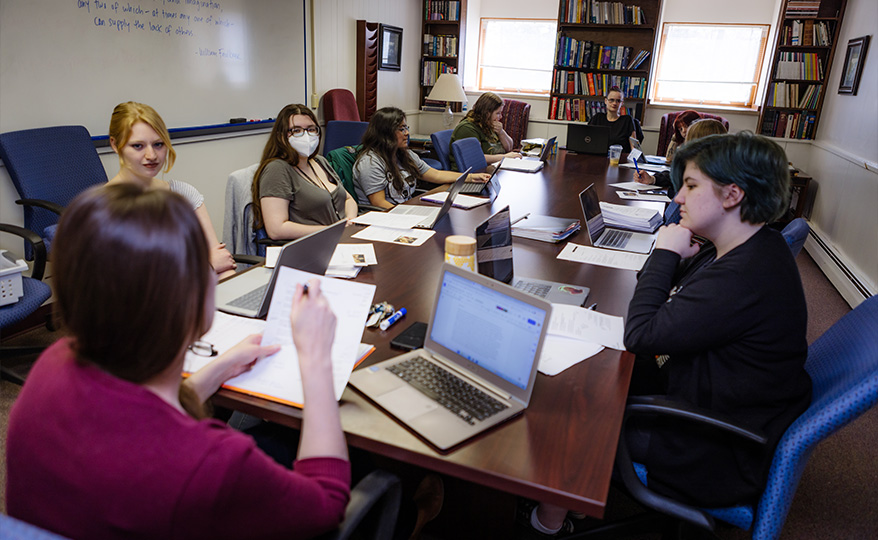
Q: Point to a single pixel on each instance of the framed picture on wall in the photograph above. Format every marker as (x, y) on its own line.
(390, 51)
(853, 65)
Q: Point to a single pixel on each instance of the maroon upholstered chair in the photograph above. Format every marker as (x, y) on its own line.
(666, 129)
(515, 115)
(340, 104)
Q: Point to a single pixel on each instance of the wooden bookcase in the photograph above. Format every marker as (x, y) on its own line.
(800, 68)
(578, 32)
(443, 32)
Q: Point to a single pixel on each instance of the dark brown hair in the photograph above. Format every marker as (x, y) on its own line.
(480, 114)
(278, 147)
(380, 138)
(685, 118)
(132, 274)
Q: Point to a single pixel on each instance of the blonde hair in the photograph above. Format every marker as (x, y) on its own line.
(705, 127)
(125, 115)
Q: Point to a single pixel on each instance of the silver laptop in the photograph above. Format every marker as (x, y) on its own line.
(585, 139)
(494, 255)
(482, 348)
(433, 215)
(545, 152)
(607, 237)
(653, 160)
(249, 293)
(489, 189)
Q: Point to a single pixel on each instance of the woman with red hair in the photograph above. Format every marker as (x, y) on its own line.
(681, 127)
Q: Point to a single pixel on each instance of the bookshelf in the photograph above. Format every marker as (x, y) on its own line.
(600, 45)
(807, 35)
(443, 32)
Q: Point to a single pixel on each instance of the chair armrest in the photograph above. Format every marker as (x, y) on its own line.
(660, 406)
(248, 259)
(48, 205)
(39, 247)
(270, 242)
(380, 490)
(363, 208)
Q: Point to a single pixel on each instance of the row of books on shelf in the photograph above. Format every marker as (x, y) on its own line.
(596, 84)
(591, 12)
(440, 45)
(432, 69)
(797, 65)
(578, 110)
(807, 33)
(588, 54)
(442, 10)
(793, 95)
(431, 105)
(802, 8)
(797, 125)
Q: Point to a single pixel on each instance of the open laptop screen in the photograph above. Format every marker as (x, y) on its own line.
(591, 209)
(494, 246)
(487, 327)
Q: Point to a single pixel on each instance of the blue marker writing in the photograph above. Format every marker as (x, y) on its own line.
(386, 323)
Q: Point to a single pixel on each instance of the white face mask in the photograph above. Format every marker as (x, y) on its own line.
(306, 144)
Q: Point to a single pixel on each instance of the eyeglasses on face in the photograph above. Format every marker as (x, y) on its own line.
(203, 348)
(613, 100)
(403, 129)
(298, 132)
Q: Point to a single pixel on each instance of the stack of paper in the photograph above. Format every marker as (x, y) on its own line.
(545, 228)
(461, 201)
(522, 165)
(632, 218)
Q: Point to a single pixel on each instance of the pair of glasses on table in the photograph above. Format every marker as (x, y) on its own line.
(203, 348)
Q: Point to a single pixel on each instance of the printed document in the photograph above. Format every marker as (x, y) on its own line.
(603, 257)
(403, 237)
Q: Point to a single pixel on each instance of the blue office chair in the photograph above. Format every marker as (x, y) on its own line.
(843, 365)
(343, 133)
(49, 167)
(672, 213)
(468, 153)
(442, 145)
(35, 293)
(795, 234)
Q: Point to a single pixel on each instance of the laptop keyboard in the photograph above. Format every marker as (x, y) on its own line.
(537, 289)
(472, 187)
(616, 238)
(447, 389)
(251, 300)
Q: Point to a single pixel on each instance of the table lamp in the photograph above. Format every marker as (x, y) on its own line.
(448, 89)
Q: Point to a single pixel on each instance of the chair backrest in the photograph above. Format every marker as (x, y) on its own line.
(638, 130)
(343, 133)
(340, 104)
(52, 164)
(238, 233)
(468, 153)
(342, 161)
(795, 234)
(666, 129)
(442, 145)
(515, 116)
(843, 365)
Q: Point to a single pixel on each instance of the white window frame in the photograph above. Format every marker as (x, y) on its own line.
(758, 69)
(481, 87)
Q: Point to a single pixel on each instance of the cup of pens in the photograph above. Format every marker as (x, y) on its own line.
(614, 154)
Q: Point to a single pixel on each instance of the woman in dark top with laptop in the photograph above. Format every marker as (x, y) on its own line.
(621, 126)
(720, 329)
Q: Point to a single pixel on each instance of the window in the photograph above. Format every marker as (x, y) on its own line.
(710, 64)
(515, 55)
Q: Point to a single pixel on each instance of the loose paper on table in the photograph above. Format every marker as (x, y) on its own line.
(388, 219)
(353, 255)
(403, 237)
(461, 201)
(639, 196)
(646, 167)
(603, 257)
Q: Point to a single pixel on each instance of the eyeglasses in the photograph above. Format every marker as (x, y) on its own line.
(298, 132)
(614, 100)
(203, 348)
(403, 129)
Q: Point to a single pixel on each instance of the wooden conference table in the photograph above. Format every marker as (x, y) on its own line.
(561, 450)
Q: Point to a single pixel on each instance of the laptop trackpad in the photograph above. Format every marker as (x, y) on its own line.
(407, 403)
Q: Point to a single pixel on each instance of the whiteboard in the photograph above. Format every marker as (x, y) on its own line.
(197, 62)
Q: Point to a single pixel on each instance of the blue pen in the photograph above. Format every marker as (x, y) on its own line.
(388, 322)
(636, 168)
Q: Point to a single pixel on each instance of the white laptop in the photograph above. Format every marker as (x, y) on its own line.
(249, 293)
(483, 343)
(529, 164)
(642, 157)
(433, 215)
(606, 237)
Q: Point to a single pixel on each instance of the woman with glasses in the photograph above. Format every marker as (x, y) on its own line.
(139, 136)
(107, 440)
(295, 191)
(386, 171)
(621, 126)
(483, 123)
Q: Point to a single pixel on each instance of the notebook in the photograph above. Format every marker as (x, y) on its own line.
(482, 345)
(249, 293)
(642, 157)
(433, 215)
(494, 256)
(606, 237)
(585, 139)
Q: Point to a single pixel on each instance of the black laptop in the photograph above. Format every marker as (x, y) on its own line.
(586, 139)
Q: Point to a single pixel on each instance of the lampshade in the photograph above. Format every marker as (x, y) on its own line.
(448, 88)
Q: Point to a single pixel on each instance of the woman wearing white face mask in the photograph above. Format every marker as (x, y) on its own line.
(295, 191)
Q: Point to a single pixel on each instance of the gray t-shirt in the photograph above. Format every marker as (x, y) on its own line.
(371, 175)
(188, 192)
(310, 204)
